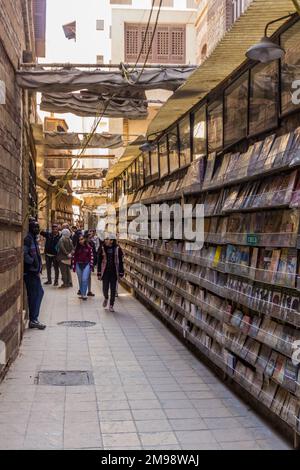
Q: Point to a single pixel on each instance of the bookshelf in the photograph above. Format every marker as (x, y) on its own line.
(237, 299)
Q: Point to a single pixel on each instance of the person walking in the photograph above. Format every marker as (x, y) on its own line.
(90, 235)
(83, 264)
(32, 275)
(52, 239)
(110, 269)
(64, 256)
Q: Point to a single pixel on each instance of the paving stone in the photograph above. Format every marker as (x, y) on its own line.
(150, 392)
(158, 438)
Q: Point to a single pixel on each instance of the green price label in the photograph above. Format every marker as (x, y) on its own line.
(252, 239)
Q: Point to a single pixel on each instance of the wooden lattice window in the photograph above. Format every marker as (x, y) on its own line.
(169, 44)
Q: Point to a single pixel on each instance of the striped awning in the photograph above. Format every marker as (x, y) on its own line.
(228, 55)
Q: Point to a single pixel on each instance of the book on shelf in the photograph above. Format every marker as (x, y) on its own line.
(295, 148)
(290, 375)
(257, 385)
(267, 393)
(279, 151)
(231, 199)
(261, 159)
(254, 158)
(263, 358)
(271, 364)
(268, 262)
(290, 411)
(232, 165)
(211, 159)
(252, 351)
(287, 267)
(279, 401)
(280, 365)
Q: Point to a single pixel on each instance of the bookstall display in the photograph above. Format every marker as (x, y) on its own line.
(237, 299)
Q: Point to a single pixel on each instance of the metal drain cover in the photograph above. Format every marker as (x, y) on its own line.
(77, 324)
(65, 378)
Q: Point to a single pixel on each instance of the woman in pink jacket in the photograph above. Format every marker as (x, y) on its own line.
(83, 264)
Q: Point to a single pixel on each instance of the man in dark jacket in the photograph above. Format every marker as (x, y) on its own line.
(52, 239)
(32, 275)
(110, 269)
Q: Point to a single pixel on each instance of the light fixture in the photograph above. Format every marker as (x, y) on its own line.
(267, 50)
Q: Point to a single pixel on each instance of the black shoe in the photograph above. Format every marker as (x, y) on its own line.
(90, 294)
(36, 325)
(79, 293)
(84, 298)
(48, 283)
(70, 285)
(63, 286)
(56, 284)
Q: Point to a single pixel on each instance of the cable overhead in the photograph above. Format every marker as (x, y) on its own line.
(144, 38)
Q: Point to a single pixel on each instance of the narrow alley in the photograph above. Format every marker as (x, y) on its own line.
(149, 391)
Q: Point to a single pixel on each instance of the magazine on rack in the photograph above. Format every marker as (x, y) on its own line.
(284, 188)
(267, 393)
(279, 400)
(260, 160)
(211, 159)
(232, 166)
(221, 168)
(280, 150)
(256, 151)
(295, 200)
(295, 148)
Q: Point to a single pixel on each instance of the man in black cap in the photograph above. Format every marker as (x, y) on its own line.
(32, 275)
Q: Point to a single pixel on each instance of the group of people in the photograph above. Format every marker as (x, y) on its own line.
(67, 249)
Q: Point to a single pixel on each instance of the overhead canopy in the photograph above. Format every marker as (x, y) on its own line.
(226, 57)
(71, 141)
(87, 104)
(131, 152)
(97, 191)
(83, 174)
(68, 80)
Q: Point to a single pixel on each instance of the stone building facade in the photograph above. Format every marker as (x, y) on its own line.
(18, 21)
(214, 19)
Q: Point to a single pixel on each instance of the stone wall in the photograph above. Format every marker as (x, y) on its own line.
(14, 156)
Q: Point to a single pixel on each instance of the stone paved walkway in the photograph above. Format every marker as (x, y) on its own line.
(150, 392)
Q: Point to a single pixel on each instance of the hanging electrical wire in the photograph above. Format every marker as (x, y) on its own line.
(125, 71)
(144, 38)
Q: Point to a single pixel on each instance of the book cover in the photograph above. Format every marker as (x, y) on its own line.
(279, 401)
(271, 364)
(290, 375)
(278, 373)
(211, 159)
(266, 148)
(257, 148)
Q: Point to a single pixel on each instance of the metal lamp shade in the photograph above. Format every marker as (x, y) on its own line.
(265, 51)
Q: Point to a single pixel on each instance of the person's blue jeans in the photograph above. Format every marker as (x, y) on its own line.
(35, 294)
(83, 274)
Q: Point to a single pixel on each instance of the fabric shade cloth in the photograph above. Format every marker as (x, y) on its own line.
(85, 104)
(69, 80)
(71, 141)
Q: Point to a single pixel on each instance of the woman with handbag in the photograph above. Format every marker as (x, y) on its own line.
(83, 264)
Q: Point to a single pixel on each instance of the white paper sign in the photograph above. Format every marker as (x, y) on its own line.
(2, 92)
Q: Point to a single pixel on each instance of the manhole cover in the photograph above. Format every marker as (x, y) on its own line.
(65, 378)
(77, 324)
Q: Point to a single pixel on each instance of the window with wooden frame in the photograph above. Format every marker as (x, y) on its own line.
(141, 170)
(169, 44)
(215, 125)
(290, 67)
(185, 141)
(154, 163)
(236, 110)
(173, 149)
(263, 114)
(163, 157)
(129, 179)
(199, 133)
(147, 167)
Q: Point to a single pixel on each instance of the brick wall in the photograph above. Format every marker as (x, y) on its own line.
(13, 180)
(215, 18)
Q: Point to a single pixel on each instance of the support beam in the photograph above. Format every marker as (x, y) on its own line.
(95, 157)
